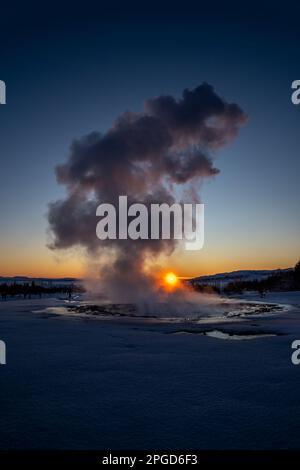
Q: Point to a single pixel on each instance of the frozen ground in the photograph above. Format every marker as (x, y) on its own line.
(78, 383)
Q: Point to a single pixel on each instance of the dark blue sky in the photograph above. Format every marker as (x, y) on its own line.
(71, 70)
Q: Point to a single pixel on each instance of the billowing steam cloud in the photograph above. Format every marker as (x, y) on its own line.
(147, 156)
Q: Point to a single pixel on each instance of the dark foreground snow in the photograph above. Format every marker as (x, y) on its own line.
(77, 383)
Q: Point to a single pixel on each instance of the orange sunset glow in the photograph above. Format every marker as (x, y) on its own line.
(39, 261)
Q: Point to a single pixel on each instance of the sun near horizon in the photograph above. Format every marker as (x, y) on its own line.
(48, 266)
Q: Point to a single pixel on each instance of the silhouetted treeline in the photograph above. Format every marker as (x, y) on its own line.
(281, 281)
(29, 290)
(206, 288)
(286, 281)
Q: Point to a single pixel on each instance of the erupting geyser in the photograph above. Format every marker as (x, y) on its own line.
(160, 155)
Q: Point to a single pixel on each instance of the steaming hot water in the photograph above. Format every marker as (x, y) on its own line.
(173, 302)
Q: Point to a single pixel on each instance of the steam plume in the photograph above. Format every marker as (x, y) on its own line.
(147, 156)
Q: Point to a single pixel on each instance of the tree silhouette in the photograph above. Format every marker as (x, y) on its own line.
(297, 272)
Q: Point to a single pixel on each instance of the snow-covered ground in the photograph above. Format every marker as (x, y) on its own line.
(291, 298)
(73, 382)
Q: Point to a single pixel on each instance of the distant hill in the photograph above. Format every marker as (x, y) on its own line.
(222, 279)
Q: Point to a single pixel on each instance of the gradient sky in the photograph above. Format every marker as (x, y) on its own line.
(71, 72)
